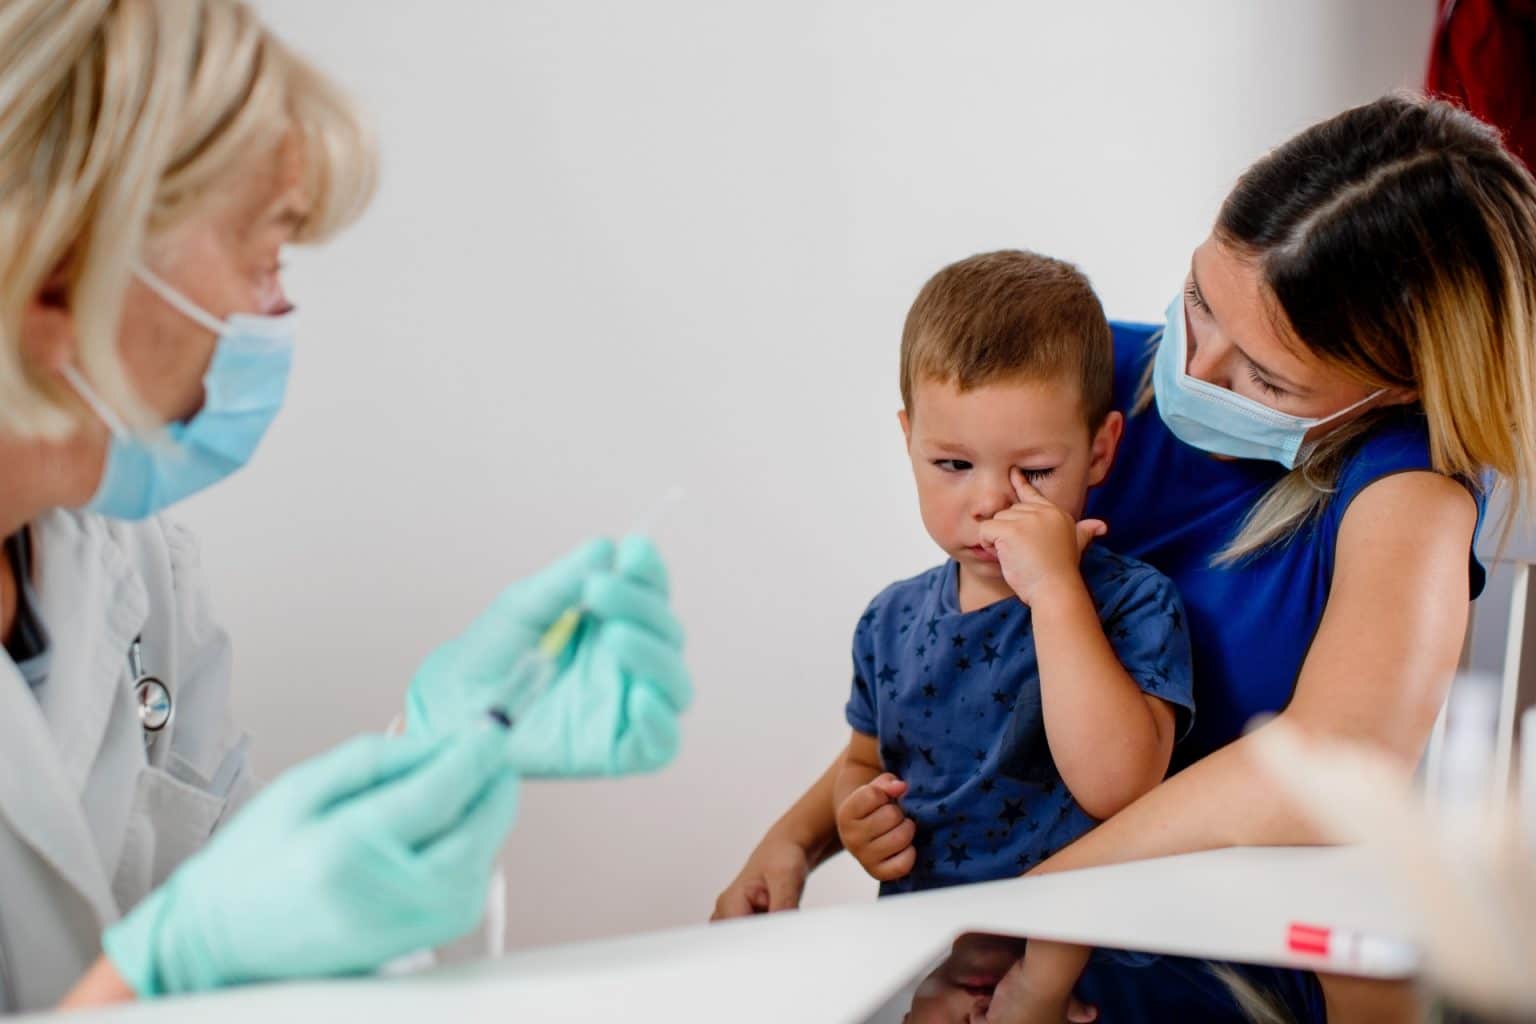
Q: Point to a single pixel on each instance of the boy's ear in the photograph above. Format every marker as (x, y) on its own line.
(1106, 440)
(906, 426)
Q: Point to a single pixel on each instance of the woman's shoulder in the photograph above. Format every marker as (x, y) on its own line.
(1398, 444)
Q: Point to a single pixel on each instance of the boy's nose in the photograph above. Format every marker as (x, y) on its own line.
(991, 498)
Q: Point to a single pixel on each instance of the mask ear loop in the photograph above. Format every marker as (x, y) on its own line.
(103, 411)
(183, 305)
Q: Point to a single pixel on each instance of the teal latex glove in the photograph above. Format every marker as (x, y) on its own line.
(378, 848)
(460, 680)
(614, 705)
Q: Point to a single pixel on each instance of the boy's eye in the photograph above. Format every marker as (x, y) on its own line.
(1036, 475)
(952, 465)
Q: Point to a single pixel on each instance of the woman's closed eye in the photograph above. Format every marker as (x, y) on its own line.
(1195, 298)
(1264, 384)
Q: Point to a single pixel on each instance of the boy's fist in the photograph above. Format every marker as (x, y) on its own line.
(876, 831)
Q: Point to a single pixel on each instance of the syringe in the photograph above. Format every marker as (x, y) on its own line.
(535, 671)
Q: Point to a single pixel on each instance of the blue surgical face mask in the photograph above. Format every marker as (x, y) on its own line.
(1217, 420)
(242, 392)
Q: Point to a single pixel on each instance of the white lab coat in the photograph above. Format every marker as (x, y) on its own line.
(88, 823)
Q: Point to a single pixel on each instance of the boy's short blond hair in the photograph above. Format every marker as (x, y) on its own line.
(1010, 315)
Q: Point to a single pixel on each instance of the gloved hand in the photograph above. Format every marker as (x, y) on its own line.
(378, 848)
(612, 708)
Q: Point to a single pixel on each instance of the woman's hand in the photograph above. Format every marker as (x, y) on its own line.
(612, 709)
(376, 849)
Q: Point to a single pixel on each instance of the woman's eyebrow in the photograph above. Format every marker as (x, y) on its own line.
(1290, 385)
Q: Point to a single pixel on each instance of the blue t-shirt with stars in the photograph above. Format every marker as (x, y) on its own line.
(953, 700)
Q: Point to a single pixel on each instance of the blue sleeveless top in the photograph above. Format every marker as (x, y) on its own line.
(1250, 626)
(1174, 507)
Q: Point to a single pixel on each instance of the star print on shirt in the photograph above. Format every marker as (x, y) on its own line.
(966, 700)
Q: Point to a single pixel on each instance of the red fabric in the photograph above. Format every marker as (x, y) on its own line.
(1484, 58)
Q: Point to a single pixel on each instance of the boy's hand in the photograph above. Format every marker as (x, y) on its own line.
(1037, 544)
(876, 831)
(1038, 989)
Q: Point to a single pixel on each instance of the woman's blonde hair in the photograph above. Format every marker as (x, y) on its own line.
(117, 118)
(1397, 240)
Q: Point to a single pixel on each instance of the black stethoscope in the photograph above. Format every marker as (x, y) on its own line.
(153, 696)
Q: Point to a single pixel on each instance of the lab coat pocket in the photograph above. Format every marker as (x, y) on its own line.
(169, 821)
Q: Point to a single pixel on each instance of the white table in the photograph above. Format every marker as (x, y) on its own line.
(841, 963)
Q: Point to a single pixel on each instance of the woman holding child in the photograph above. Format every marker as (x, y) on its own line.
(1308, 440)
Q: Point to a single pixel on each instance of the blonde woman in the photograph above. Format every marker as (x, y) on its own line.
(1308, 435)
(155, 156)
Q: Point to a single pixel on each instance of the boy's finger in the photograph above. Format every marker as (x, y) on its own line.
(1025, 490)
(893, 786)
(899, 866)
(1088, 530)
(877, 824)
(865, 800)
(893, 842)
(1079, 1012)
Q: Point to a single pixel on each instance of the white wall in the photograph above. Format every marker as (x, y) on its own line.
(621, 246)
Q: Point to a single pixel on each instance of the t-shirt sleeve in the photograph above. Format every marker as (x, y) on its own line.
(860, 711)
(1149, 634)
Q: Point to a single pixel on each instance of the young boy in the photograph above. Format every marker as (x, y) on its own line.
(1034, 683)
